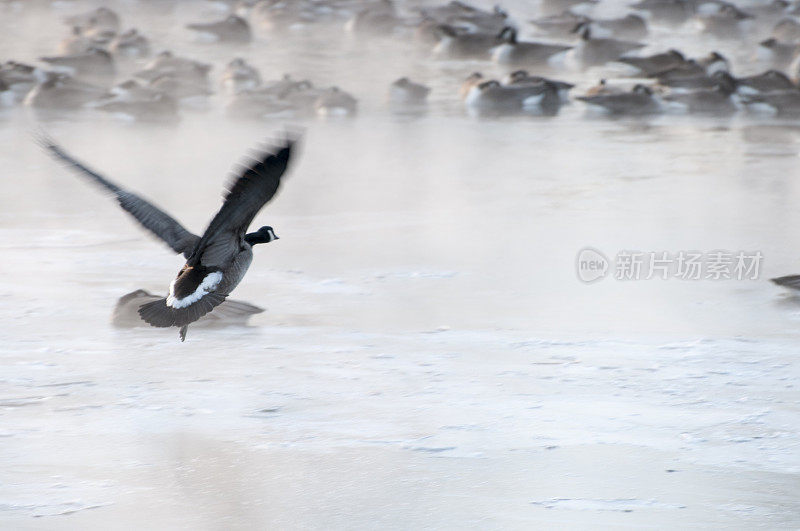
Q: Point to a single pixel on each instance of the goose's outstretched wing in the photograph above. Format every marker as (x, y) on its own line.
(151, 217)
(790, 281)
(255, 182)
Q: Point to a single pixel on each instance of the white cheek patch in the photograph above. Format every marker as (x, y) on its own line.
(207, 285)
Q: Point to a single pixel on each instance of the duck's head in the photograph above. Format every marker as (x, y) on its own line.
(263, 235)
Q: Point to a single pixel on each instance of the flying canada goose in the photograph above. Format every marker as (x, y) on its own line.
(216, 261)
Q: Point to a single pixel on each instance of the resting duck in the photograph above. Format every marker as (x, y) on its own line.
(631, 27)
(405, 92)
(133, 101)
(454, 43)
(522, 77)
(100, 19)
(61, 92)
(716, 101)
(230, 312)
(656, 63)
(492, 98)
(168, 63)
(93, 63)
(593, 51)
(240, 76)
(639, 101)
(232, 29)
(335, 102)
(216, 261)
(130, 43)
(514, 52)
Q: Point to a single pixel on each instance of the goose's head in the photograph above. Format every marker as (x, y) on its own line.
(263, 235)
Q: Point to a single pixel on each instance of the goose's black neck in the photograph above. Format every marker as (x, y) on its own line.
(256, 237)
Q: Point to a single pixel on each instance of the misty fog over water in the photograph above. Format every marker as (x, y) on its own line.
(428, 357)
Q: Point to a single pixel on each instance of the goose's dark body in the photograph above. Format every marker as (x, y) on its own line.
(216, 261)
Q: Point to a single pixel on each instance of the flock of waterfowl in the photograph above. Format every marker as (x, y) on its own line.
(564, 40)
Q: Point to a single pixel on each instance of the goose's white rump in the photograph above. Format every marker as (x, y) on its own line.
(209, 284)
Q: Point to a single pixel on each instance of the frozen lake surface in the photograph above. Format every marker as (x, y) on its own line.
(428, 357)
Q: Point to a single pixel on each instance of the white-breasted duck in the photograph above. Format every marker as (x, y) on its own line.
(216, 261)
(522, 53)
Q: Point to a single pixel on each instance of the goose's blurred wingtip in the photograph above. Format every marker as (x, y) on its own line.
(42, 138)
